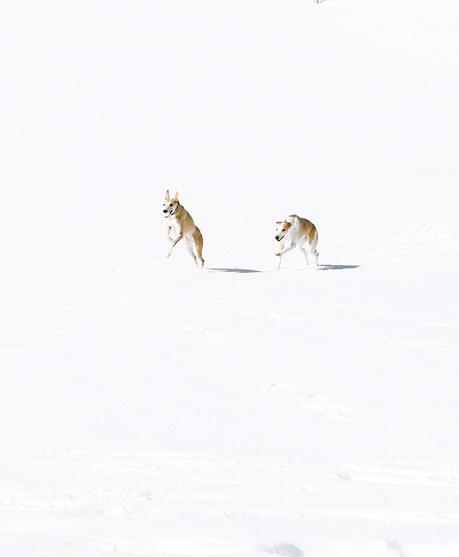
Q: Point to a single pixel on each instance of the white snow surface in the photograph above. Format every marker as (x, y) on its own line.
(151, 409)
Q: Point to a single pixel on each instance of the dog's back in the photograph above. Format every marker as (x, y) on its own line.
(303, 228)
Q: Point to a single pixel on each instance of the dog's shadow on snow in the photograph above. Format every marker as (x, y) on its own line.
(336, 267)
(319, 268)
(233, 270)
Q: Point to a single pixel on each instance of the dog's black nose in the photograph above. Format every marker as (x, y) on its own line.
(164, 210)
(277, 238)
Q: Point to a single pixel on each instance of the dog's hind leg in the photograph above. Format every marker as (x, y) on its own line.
(315, 254)
(198, 243)
(189, 246)
(312, 249)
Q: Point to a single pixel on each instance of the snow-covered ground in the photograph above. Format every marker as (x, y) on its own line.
(150, 409)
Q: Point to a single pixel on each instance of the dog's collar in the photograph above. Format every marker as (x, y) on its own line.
(176, 211)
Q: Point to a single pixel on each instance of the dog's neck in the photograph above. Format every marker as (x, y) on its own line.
(179, 207)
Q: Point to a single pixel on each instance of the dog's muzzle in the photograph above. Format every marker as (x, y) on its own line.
(278, 238)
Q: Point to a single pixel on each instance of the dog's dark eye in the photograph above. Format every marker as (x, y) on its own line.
(170, 205)
(283, 230)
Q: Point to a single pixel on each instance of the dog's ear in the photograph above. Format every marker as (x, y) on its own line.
(168, 195)
(176, 195)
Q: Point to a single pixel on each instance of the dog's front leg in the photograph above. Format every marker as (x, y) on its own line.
(281, 252)
(174, 243)
(285, 250)
(279, 255)
(169, 230)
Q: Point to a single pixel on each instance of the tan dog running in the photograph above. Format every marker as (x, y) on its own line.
(296, 232)
(181, 224)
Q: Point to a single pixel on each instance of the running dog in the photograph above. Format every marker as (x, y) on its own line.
(181, 225)
(296, 232)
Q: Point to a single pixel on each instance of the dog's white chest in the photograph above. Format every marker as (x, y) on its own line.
(174, 224)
